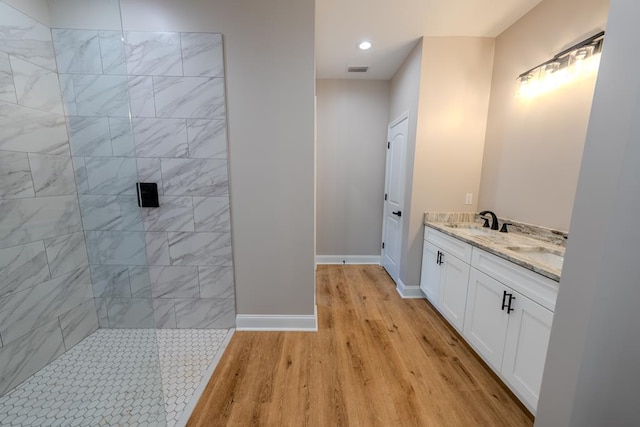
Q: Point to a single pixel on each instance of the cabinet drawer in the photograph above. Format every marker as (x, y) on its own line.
(448, 244)
(536, 287)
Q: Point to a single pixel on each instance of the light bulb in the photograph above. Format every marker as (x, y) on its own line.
(365, 45)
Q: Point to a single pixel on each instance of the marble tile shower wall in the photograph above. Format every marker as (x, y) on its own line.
(46, 295)
(169, 267)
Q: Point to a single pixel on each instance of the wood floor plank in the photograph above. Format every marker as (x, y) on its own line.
(376, 360)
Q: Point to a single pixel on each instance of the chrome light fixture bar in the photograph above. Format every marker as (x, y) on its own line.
(578, 60)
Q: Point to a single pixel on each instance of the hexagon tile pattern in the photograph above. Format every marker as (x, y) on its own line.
(116, 377)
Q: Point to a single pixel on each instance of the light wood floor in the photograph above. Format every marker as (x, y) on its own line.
(377, 360)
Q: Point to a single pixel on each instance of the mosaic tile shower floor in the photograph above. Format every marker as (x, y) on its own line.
(117, 377)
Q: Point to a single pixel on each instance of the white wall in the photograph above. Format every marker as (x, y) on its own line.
(445, 84)
(269, 48)
(533, 147)
(352, 120)
(591, 375)
(405, 98)
(84, 14)
(452, 116)
(36, 9)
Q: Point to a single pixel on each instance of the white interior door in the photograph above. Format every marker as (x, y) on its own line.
(394, 197)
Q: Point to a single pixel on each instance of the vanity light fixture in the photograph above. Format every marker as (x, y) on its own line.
(579, 60)
(365, 45)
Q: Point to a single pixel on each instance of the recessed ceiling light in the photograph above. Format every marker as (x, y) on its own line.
(365, 45)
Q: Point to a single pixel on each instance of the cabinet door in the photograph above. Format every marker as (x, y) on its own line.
(526, 348)
(453, 289)
(430, 277)
(485, 325)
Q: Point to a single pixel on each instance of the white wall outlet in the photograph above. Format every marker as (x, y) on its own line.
(468, 199)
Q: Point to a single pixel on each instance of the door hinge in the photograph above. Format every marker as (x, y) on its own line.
(385, 196)
(388, 145)
(382, 245)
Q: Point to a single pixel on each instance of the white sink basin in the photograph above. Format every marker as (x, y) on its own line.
(541, 255)
(470, 229)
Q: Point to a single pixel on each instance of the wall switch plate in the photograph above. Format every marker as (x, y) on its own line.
(468, 199)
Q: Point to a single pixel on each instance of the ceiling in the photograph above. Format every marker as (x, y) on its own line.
(394, 27)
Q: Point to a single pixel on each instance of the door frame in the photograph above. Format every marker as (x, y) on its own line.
(393, 123)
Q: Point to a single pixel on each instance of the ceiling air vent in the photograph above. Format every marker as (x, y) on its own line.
(358, 69)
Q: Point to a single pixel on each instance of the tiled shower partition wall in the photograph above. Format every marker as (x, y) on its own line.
(139, 107)
(46, 299)
(168, 267)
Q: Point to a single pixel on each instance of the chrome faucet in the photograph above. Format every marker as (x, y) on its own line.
(494, 219)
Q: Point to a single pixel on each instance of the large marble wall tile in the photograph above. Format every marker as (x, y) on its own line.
(153, 54)
(140, 282)
(211, 214)
(112, 52)
(32, 131)
(52, 175)
(89, 136)
(210, 249)
(205, 313)
(24, 311)
(164, 313)
(111, 281)
(195, 177)
(122, 137)
(80, 172)
(15, 176)
(130, 312)
(101, 137)
(66, 253)
(28, 220)
(157, 248)
(216, 282)
(100, 212)
(26, 38)
(77, 51)
(68, 94)
(174, 282)
(141, 96)
(36, 87)
(101, 95)
(160, 138)
(202, 54)
(79, 323)
(22, 267)
(130, 213)
(7, 88)
(149, 171)
(207, 139)
(93, 246)
(117, 247)
(24, 357)
(189, 97)
(101, 309)
(174, 214)
(112, 175)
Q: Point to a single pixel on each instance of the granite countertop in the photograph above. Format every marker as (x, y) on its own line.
(541, 251)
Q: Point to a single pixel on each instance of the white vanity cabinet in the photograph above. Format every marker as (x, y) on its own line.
(507, 324)
(431, 272)
(486, 324)
(445, 275)
(504, 311)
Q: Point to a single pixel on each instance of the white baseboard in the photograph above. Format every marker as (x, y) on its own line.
(409, 292)
(277, 322)
(348, 259)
